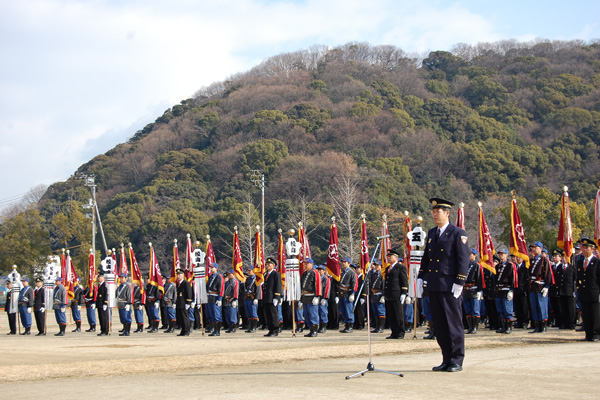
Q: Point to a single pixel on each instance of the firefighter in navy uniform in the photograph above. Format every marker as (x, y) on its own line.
(138, 307)
(102, 305)
(39, 306)
(377, 299)
(76, 303)
(26, 305)
(540, 279)
(395, 290)
(310, 285)
(588, 289)
(185, 297)
(346, 291)
(251, 301)
(567, 285)
(444, 266)
(170, 298)
(325, 292)
(231, 293)
(124, 297)
(506, 282)
(473, 293)
(59, 304)
(360, 310)
(271, 296)
(89, 298)
(521, 299)
(215, 287)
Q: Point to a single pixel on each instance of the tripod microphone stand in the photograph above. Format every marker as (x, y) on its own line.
(370, 366)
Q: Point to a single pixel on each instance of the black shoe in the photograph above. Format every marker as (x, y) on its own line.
(272, 333)
(11, 333)
(61, 333)
(441, 367)
(322, 328)
(40, 334)
(102, 334)
(454, 368)
(92, 328)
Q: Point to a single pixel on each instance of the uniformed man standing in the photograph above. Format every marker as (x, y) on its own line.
(521, 299)
(360, 309)
(153, 300)
(26, 305)
(138, 307)
(170, 300)
(59, 305)
(506, 282)
(325, 292)
(230, 301)
(540, 279)
(76, 303)
(11, 310)
(124, 296)
(473, 293)
(566, 281)
(444, 266)
(346, 291)
(185, 296)
(251, 301)
(39, 306)
(310, 286)
(215, 288)
(271, 296)
(395, 290)
(89, 297)
(588, 289)
(377, 298)
(102, 305)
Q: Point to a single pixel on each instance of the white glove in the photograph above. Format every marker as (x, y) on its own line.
(275, 302)
(419, 288)
(173, 305)
(351, 298)
(315, 301)
(408, 300)
(198, 306)
(509, 295)
(545, 292)
(382, 300)
(93, 306)
(574, 294)
(362, 301)
(479, 295)
(79, 307)
(63, 309)
(300, 305)
(323, 302)
(156, 305)
(104, 307)
(402, 298)
(219, 302)
(193, 305)
(187, 306)
(127, 307)
(140, 308)
(337, 300)
(28, 310)
(234, 304)
(456, 290)
(255, 302)
(43, 309)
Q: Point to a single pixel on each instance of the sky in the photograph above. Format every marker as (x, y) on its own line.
(79, 77)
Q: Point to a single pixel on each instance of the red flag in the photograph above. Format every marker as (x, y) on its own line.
(237, 258)
(281, 257)
(175, 265)
(136, 274)
(485, 245)
(91, 270)
(71, 280)
(63, 267)
(518, 245)
(123, 269)
(155, 276)
(460, 216)
(210, 254)
(386, 244)
(597, 219)
(305, 246)
(259, 258)
(407, 248)
(565, 230)
(364, 247)
(114, 263)
(189, 266)
(333, 256)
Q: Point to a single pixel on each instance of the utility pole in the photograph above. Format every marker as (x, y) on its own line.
(90, 182)
(257, 177)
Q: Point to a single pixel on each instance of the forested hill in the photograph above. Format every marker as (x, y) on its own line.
(350, 130)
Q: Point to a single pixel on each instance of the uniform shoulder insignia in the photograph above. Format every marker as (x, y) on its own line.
(464, 239)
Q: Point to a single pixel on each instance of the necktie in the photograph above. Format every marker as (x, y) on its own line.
(439, 233)
(585, 264)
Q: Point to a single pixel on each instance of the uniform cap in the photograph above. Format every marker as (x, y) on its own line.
(308, 261)
(558, 252)
(474, 251)
(393, 252)
(587, 242)
(271, 260)
(321, 266)
(503, 250)
(347, 259)
(179, 271)
(214, 265)
(437, 202)
(58, 278)
(538, 244)
(123, 276)
(231, 271)
(39, 280)
(25, 280)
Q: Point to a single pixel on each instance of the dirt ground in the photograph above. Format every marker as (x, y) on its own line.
(552, 365)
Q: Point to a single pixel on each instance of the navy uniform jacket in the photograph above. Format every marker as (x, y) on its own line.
(185, 295)
(215, 287)
(506, 278)
(170, 295)
(566, 277)
(348, 283)
(396, 281)
(540, 274)
(39, 299)
(102, 296)
(250, 288)
(60, 297)
(77, 297)
(523, 279)
(89, 296)
(325, 287)
(137, 296)
(446, 259)
(376, 283)
(588, 280)
(231, 292)
(124, 295)
(474, 282)
(310, 285)
(272, 286)
(26, 297)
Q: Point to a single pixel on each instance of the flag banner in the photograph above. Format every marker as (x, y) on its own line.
(210, 253)
(155, 275)
(63, 267)
(364, 247)
(237, 258)
(175, 265)
(124, 268)
(281, 259)
(189, 257)
(518, 245)
(259, 258)
(485, 244)
(304, 245)
(91, 270)
(565, 230)
(597, 219)
(136, 274)
(386, 244)
(333, 256)
(198, 260)
(407, 225)
(115, 268)
(460, 216)
(71, 280)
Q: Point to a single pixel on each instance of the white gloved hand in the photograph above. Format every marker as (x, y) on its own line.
(315, 301)
(28, 310)
(419, 288)
(193, 304)
(187, 306)
(275, 302)
(93, 306)
(362, 301)
(63, 309)
(545, 292)
(402, 298)
(79, 307)
(323, 302)
(156, 305)
(219, 302)
(337, 300)
(173, 305)
(479, 295)
(43, 309)
(255, 302)
(104, 307)
(382, 300)
(351, 298)
(234, 304)
(456, 290)
(574, 294)
(140, 308)
(408, 300)
(300, 305)
(127, 307)
(509, 295)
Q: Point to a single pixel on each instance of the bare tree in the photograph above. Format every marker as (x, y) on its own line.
(345, 199)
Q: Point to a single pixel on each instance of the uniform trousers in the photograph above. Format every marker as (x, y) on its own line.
(377, 308)
(12, 322)
(567, 308)
(124, 316)
(183, 317)
(251, 309)
(76, 314)
(271, 317)
(472, 307)
(103, 319)
(299, 312)
(91, 315)
(426, 307)
(230, 315)
(192, 316)
(153, 312)
(539, 306)
(139, 314)
(311, 314)
(346, 309)
(40, 319)
(171, 313)
(215, 312)
(408, 313)
(395, 316)
(505, 308)
(590, 314)
(446, 312)
(323, 314)
(25, 316)
(61, 317)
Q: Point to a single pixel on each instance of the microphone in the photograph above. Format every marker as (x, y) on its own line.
(384, 236)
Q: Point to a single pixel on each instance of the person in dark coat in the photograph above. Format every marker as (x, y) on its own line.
(444, 266)
(566, 279)
(588, 289)
(394, 292)
(39, 306)
(11, 310)
(102, 305)
(271, 296)
(185, 296)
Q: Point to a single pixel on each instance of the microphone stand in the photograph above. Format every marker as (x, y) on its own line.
(370, 366)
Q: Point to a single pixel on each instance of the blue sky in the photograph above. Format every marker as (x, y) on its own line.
(79, 77)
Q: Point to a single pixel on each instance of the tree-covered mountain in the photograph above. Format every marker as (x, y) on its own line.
(345, 131)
